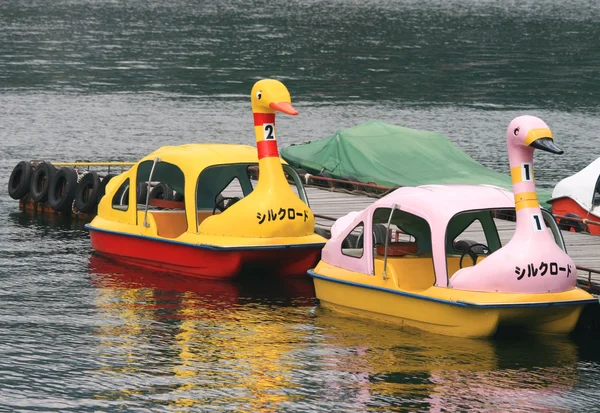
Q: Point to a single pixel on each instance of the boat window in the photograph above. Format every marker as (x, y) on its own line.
(471, 227)
(216, 179)
(231, 194)
(120, 200)
(596, 197)
(505, 221)
(409, 248)
(352, 245)
(404, 227)
(167, 181)
(295, 182)
(474, 233)
(551, 223)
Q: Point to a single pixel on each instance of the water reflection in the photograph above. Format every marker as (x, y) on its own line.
(377, 364)
(185, 342)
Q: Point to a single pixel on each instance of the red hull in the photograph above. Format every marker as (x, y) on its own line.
(204, 262)
(564, 206)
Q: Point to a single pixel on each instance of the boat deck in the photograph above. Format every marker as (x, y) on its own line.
(584, 249)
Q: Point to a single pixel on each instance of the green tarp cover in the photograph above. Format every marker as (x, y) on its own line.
(390, 155)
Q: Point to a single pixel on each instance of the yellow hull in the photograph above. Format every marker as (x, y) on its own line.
(447, 311)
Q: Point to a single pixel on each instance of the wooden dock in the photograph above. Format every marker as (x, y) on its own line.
(584, 249)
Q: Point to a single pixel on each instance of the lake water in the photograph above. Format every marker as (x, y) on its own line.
(114, 80)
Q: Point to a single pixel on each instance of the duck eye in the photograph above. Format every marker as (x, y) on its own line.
(258, 95)
(516, 131)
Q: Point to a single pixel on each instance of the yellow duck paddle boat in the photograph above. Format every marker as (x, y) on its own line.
(207, 233)
(424, 277)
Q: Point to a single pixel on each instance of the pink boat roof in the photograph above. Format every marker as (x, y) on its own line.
(435, 202)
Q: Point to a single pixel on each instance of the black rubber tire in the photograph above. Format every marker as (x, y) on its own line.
(178, 197)
(86, 194)
(142, 192)
(162, 191)
(61, 193)
(102, 187)
(379, 231)
(20, 179)
(40, 181)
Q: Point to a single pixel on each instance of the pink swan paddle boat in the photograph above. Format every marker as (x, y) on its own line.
(414, 268)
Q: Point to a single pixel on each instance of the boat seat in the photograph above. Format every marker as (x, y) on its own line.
(173, 223)
(412, 272)
(170, 224)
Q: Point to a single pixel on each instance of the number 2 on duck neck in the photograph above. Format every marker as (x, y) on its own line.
(269, 131)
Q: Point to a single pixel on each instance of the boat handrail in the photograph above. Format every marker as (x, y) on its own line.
(387, 237)
(146, 224)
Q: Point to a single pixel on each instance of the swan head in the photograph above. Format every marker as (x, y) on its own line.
(530, 131)
(269, 96)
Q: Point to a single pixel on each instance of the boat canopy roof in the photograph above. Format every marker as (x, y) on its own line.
(391, 155)
(194, 158)
(581, 187)
(438, 203)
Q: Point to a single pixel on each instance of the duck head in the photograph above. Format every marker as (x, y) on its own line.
(272, 209)
(269, 96)
(531, 132)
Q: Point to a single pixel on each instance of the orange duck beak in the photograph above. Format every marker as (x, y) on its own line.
(284, 107)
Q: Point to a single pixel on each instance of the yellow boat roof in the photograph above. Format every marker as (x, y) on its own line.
(194, 158)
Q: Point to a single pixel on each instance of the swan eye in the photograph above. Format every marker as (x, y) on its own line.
(516, 131)
(258, 95)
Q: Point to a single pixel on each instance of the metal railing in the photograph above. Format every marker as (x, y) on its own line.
(590, 271)
(575, 219)
(335, 183)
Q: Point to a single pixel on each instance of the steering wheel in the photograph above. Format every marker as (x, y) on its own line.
(222, 203)
(474, 250)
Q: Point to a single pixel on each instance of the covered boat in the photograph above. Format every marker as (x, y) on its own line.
(424, 273)
(392, 156)
(578, 197)
(267, 227)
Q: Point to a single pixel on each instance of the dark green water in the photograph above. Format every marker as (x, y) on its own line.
(116, 79)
